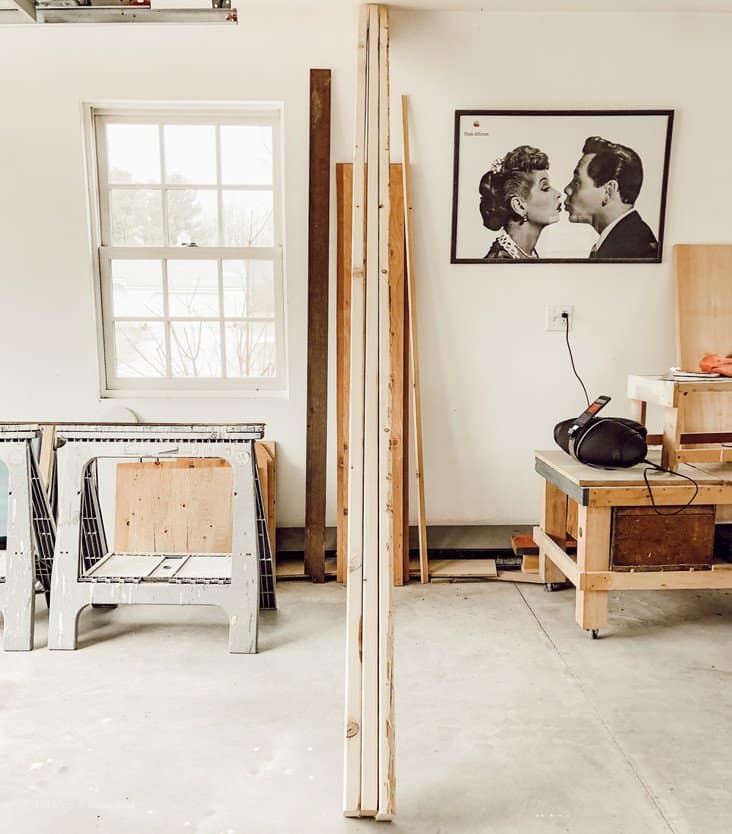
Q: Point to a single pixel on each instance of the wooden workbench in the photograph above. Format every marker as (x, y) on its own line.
(596, 492)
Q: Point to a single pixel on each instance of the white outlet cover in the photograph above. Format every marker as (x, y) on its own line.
(554, 321)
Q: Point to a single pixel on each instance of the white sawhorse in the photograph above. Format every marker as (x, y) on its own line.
(72, 589)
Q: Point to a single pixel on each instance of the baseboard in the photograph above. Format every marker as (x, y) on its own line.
(472, 540)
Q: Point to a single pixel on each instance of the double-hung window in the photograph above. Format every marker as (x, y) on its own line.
(189, 240)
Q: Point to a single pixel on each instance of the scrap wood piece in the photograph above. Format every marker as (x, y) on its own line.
(454, 569)
(265, 451)
(46, 461)
(317, 373)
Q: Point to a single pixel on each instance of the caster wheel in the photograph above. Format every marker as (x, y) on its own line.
(595, 633)
(551, 586)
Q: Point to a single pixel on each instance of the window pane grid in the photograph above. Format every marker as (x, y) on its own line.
(248, 218)
(196, 329)
(176, 346)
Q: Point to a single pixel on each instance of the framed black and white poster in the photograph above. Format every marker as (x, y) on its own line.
(560, 186)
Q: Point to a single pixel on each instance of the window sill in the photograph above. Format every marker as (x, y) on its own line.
(196, 394)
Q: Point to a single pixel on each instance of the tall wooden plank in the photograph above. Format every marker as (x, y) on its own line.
(399, 425)
(344, 211)
(406, 394)
(413, 356)
(386, 781)
(354, 599)
(400, 369)
(370, 643)
(317, 385)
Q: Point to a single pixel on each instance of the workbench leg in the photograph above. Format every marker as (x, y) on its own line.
(638, 411)
(554, 524)
(672, 428)
(593, 554)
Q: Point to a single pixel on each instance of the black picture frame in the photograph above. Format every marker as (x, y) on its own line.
(484, 137)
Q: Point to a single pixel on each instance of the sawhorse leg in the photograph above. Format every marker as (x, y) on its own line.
(243, 612)
(65, 605)
(593, 554)
(20, 580)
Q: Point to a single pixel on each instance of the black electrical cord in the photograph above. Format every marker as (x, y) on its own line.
(651, 466)
(571, 358)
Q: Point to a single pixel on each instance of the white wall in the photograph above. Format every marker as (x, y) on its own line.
(48, 364)
(494, 382)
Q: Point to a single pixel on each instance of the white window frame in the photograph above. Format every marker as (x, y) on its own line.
(111, 385)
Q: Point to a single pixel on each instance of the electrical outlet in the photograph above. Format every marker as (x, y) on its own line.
(554, 320)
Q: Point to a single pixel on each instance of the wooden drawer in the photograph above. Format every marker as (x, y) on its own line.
(643, 540)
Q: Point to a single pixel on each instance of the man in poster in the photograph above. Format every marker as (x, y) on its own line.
(603, 191)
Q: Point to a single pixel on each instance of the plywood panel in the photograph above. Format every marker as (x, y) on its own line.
(703, 276)
(175, 506)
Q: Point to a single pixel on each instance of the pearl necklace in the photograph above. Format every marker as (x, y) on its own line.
(505, 241)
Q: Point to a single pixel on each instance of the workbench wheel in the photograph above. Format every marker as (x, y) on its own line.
(552, 586)
(595, 633)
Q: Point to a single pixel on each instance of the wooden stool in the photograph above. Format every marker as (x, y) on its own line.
(678, 398)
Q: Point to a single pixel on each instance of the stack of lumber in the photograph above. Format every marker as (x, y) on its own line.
(369, 722)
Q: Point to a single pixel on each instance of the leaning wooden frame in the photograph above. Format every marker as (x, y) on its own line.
(369, 724)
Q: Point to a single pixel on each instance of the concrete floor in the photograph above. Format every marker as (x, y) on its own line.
(509, 718)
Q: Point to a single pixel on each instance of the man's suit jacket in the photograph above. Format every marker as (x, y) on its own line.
(631, 237)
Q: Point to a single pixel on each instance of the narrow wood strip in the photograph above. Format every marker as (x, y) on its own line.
(317, 381)
(413, 355)
(45, 465)
(406, 394)
(354, 600)
(399, 424)
(706, 437)
(344, 202)
(720, 576)
(370, 642)
(386, 773)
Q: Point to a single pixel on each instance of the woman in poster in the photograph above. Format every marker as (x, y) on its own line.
(517, 198)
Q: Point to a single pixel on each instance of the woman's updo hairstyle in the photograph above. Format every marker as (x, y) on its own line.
(508, 177)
